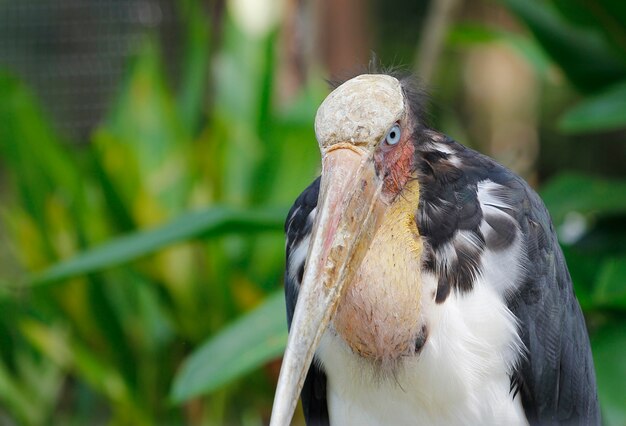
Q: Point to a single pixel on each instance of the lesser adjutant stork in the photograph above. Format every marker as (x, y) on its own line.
(424, 283)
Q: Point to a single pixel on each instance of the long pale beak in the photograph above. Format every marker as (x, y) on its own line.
(348, 214)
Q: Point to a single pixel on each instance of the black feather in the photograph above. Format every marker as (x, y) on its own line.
(555, 378)
(297, 227)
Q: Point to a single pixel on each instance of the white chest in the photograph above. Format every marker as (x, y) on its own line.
(461, 377)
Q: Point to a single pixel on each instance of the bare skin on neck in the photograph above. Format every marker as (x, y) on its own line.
(379, 316)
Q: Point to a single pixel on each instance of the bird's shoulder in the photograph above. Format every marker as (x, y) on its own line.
(513, 246)
(298, 223)
(469, 212)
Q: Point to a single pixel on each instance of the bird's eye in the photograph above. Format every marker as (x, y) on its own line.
(393, 137)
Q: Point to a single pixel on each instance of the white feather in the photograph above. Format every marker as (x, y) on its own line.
(461, 376)
(486, 198)
(297, 258)
(453, 159)
(501, 269)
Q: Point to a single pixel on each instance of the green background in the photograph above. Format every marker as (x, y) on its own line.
(141, 262)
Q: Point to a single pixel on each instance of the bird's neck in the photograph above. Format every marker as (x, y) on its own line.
(379, 317)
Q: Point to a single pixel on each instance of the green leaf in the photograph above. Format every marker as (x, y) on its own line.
(583, 55)
(247, 344)
(215, 221)
(241, 101)
(467, 34)
(29, 146)
(609, 347)
(605, 111)
(142, 145)
(583, 269)
(605, 16)
(143, 115)
(587, 195)
(38, 166)
(194, 74)
(610, 288)
(67, 353)
(111, 327)
(16, 400)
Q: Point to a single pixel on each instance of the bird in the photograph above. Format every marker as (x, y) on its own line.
(424, 281)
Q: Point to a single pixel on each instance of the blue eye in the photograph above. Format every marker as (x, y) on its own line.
(393, 137)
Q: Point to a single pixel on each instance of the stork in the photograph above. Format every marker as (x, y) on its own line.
(424, 281)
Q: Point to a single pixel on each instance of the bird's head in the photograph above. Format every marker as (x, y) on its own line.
(364, 126)
(366, 132)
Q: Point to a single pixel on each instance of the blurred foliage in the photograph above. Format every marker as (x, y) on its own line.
(178, 198)
(152, 256)
(587, 41)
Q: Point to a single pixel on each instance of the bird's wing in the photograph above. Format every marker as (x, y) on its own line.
(298, 229)
(466, 193)
(556, 379)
